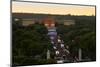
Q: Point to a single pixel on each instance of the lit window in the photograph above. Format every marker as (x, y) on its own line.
(46, 24)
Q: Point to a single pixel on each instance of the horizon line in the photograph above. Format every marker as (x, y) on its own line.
(53, 14)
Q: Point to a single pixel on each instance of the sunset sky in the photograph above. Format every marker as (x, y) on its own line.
(29, 7)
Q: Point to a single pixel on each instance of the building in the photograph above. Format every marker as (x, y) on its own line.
(26, 22)
(48, 21)
(65, 21)
(69, 22)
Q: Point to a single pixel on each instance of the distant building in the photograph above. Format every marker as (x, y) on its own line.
(48, 21)
(69, 22)
(26, 22)
(66, 22)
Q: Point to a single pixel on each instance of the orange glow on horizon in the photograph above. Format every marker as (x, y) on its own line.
(21, 7)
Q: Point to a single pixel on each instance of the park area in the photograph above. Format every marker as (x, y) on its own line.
(51, 42)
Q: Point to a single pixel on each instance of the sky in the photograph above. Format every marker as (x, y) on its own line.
(44, 8)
